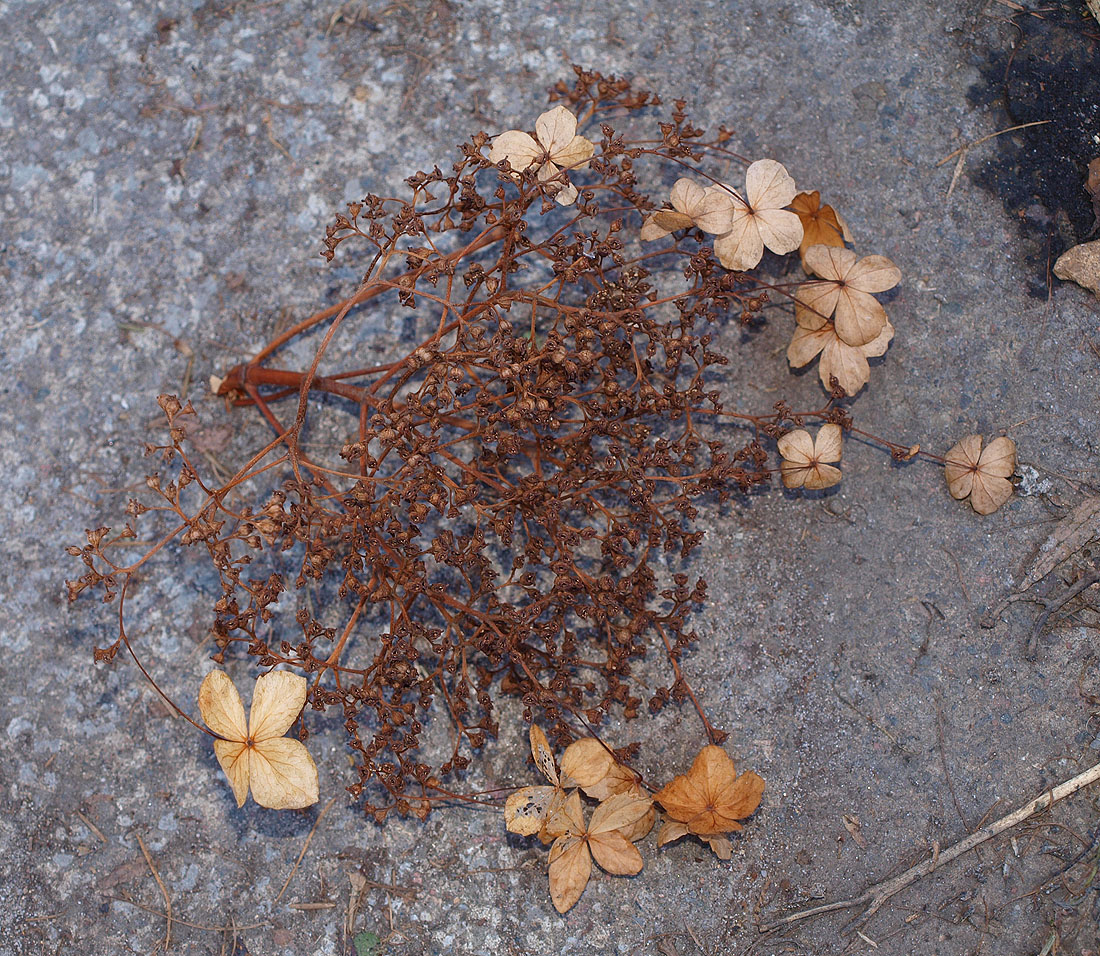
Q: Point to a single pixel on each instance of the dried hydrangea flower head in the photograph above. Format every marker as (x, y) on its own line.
(821, 225)
(555, 148)
(709, 800)
(982, 475)
(256, 755)
(707, 208)
(805, 459)
(845, 287)
(575, 844)
(760, 219)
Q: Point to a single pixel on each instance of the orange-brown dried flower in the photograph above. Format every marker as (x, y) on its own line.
(709, 800)
(821, 225)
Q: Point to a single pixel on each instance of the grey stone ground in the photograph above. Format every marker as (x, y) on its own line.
(166, 171)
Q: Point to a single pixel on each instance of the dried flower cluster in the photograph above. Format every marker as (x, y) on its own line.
(707, 801)
(505, 505)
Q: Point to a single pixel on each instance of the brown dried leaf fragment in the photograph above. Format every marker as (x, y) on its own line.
(855, 829)
(1074, 532)
(821, 225)
(709, 799)
(587, 762)
(981, 475)
(256, 755)
(804, 458)
(527, 810)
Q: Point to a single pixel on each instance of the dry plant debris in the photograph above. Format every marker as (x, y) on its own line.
(508, 505)
(807, 461)
(1081, 263)
(1072, 534)
(875, 896)
(983, 476)
(821, 225)
(707, 802)
(256, 754)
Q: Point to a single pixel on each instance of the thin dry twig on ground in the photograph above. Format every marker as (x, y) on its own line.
(876, 895)
(305, 846)
(1055, 604)
(163, 892)
(206, 927)
(963, 150)
(91, 826)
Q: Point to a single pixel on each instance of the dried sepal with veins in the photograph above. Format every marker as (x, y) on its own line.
(982, 475)
(759, 218)
(584, 764)
(575, 844)
(807, 461)
(556, 149)
(255, 755)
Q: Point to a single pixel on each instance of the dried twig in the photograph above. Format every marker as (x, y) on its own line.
(963, 150)
(163, 892)
(91, 826)
(875, 896)
(182, 922)
(305, 846)
(1053, 605)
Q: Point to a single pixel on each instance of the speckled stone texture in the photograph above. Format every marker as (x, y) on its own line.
(166, 173)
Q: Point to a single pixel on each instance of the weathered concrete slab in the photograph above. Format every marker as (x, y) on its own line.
(166, 173)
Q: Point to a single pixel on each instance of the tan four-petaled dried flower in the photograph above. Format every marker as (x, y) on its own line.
(575, 844)
(555, 148)
(805, 460)
(845, 287)
(760, 219)
(279, 770)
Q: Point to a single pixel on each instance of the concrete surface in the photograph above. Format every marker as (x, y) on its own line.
(166, 173)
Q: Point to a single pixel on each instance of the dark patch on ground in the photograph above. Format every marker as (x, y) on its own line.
(1048, 70)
